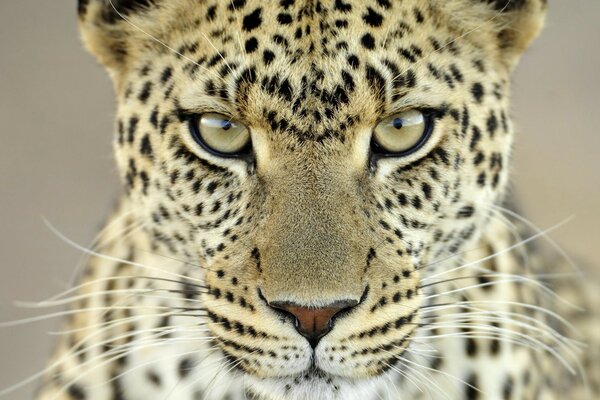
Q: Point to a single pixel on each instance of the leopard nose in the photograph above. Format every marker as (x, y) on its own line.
(314, 323)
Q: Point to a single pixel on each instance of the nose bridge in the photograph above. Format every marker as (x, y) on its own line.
(312, 243)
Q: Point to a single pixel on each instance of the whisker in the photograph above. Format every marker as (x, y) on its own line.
(552, 242)
(116, 259)
(422, 375)
(545, 311)
(546, 290)
(443, 373)
(496, 334)
(503, 251)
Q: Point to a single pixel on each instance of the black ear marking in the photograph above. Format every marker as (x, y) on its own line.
(507, 5)
(112, 8)
(82, 7)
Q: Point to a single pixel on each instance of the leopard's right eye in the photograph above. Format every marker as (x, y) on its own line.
(220, 135)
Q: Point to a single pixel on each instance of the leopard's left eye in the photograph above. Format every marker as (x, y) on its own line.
(402, 133)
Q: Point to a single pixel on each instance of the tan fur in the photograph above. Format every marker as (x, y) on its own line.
(313, 216)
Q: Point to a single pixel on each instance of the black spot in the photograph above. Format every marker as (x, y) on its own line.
(340, 95)
(186, 365)
(481, 179)
(341, 6)
(475, 138)
(146, 146)
(456, 73)
(368, 41)
(286, 3)
(285, 90)
(212, 186)
(211, 13)
(217, 58)
(416, 202)
(507, 388)
(471, 389)
(465, 212)
(407, 54)
(133, 123)
(341, 23)
(251, 45)
(76, 392)
(252, 20)
(373, 18)
(348, 81)
(353, 61)
(166, 75)
(402, 200)
(477, 92)
(284, 18)
(418, 16)
(495, 343)
(384, 3)
(426, 188)
(471, 347)
(154, 378)
(375, 79)
(146, 92)
(268, 57)
(235, 5)
(492, 124)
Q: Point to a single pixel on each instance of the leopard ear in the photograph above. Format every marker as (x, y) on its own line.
(106, 27)
(520, 23)
(512, 24)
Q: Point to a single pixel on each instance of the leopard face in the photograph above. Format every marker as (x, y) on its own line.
(312, 240)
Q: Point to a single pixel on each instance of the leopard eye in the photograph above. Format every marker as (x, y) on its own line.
(402, 133)
(220, 134)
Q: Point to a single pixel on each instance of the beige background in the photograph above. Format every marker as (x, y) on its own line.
(55, 152)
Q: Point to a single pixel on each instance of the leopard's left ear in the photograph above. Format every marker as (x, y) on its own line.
(520, 21)
(512, 24)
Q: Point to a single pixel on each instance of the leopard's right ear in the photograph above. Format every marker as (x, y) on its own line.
(107, 27)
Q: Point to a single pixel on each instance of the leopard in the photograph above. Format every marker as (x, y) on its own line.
(316, 204)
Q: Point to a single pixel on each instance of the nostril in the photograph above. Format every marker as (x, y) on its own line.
(311, 322)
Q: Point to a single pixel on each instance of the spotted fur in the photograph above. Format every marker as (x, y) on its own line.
(175, 300)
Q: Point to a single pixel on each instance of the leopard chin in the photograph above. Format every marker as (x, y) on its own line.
(316, 384)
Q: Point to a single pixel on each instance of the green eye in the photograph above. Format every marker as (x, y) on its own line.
(220, 134)
(402, 133)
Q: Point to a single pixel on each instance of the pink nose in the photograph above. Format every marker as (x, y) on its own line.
(314, 323)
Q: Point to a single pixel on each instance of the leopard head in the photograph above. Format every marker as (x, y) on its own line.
(313, 159)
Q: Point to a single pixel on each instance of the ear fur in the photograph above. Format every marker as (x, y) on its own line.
(513, 24)
(104, 30)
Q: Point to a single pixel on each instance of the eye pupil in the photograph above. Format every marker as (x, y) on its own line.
(226, 125)
(397, 123)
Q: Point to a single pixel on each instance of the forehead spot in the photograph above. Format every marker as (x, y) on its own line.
(253, 20)
(367, 41)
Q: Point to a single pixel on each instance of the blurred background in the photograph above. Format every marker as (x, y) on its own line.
(56, 113)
